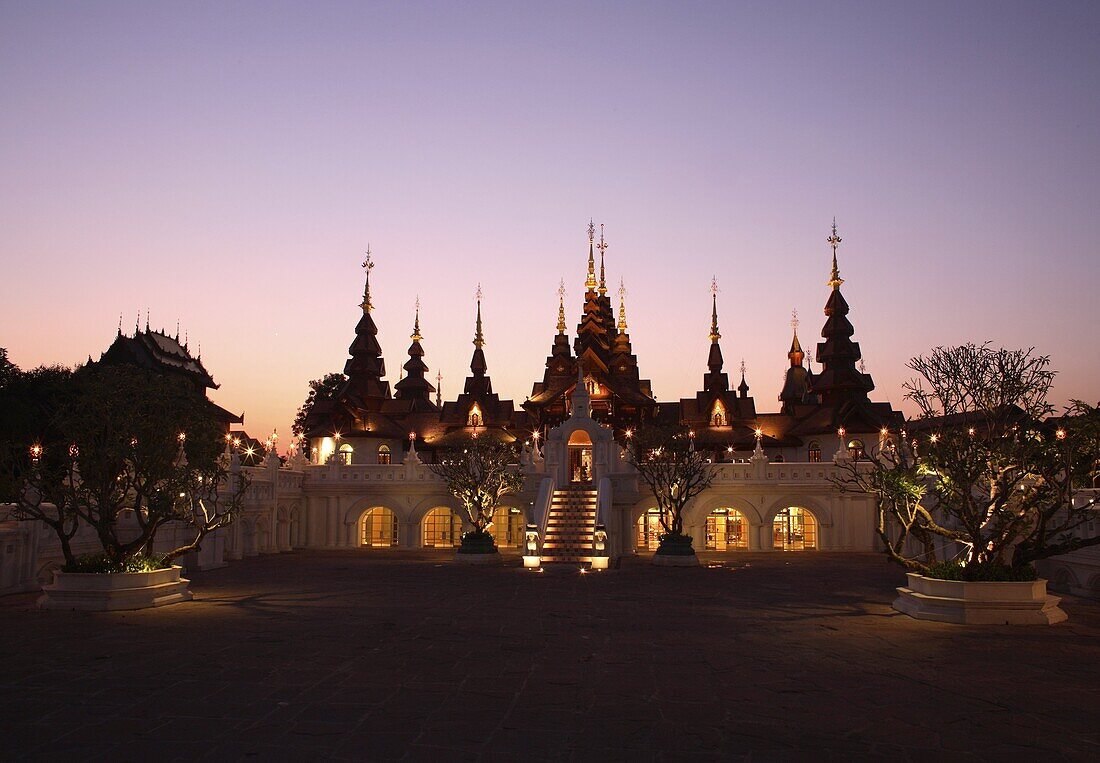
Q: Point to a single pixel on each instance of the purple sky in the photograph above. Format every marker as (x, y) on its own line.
(225, 164)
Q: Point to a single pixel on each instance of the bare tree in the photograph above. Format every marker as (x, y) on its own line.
(666, 460)
(984, 466)
(479, 473)
(122, 443)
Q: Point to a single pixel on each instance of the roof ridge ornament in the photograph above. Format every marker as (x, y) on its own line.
(368, 266)
(834, 241)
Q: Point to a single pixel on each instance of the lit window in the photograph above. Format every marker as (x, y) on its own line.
(794, 529)
(442, 529)
(378, 528)
(815, 452)
(345, 454)
(855, 449)
(383, 454)
(727, 530)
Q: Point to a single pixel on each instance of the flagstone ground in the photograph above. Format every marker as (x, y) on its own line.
(368, 655)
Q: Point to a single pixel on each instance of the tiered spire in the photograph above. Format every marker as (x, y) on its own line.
(715, 380)
(414, 387)
(796, 380)
(365, 368)
(561, 307)
(839, 379)
(477, 362)
(743, 387)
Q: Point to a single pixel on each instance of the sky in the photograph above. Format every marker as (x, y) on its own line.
(225, 165)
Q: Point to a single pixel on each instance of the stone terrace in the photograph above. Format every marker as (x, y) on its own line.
(373, 655)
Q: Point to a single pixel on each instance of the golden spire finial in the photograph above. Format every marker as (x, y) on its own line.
(415, 336)
(602, 246)
(439, 389)
(368, 266)
(479, 338)
(834, 241)
(714, 335)
(590, 282)
(622, 306)
(561, 306)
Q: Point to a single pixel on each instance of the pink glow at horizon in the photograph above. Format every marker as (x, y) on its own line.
(225, 166)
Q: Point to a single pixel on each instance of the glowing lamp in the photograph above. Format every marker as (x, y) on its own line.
(182, 436)
(1060, 434)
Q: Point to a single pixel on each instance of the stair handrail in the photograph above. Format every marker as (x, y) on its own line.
(542, 503)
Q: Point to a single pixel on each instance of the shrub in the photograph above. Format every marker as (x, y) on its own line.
(985, 573)
(103, 564)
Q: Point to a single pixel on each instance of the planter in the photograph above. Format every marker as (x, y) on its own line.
(980, 603)
(675, 551)
(100, 592)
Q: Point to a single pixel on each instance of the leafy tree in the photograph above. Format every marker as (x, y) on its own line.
(666, 459)
(112, 442)
(983, 466)
(324, 388)
(479, 473)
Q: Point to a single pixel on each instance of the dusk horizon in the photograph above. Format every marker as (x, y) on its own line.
(228, 173)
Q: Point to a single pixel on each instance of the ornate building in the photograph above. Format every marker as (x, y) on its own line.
(590, 397)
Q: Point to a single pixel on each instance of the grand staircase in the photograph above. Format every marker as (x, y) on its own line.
(570, 526)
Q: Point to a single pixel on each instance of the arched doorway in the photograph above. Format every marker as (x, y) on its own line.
(441, 528)
(508, 527)
(580, 457)
(378, 528)
(648, 537)
(727, 530)
(794, 529)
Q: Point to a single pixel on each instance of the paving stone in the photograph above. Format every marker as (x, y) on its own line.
(357, 655)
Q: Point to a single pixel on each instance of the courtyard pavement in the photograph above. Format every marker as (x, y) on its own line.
(371, 655)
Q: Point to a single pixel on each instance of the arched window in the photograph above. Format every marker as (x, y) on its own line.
(855, 449)
(507, 527)
(344, 454)
(815, 452)
(794, 529)
(378, 528)
(383, 454)
(649, 530)
(474, 419)
(727, 530)
(441, 528)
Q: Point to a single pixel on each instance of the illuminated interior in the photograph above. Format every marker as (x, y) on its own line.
(855, 449)
(718, 415)
(325, 450)
(580, 457)
(383, 454)
(649, 530)
(814, 452)
(727, 530)
(378, 528)
(442, 528)
(475, 418)
(507, 527)
(794, 529)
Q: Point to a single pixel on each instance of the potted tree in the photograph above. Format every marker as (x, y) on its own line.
(666, 460)
(124, 452)
(980, 486)
(479, 473)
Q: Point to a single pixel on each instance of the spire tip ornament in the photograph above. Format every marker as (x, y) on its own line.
(561, 306)
(479, 337)
(602, 246)
(715, 335)
(622, 306)
(590, 282)
(415, 336)
(834, 241)
(368, 266)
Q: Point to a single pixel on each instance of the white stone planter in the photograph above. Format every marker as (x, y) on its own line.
(959, 601)
(98, 592)
(671, 560)
(482, 559)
